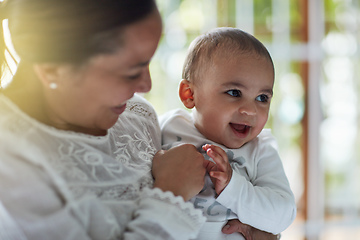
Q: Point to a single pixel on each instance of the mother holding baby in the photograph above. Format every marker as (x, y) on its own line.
(79, 149)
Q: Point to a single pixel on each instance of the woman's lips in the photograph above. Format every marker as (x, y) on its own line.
(119, 109)
(241, 130)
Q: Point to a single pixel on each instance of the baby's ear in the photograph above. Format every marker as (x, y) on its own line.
(186, 93)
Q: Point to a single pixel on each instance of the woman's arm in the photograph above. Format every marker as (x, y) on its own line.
(41, 209)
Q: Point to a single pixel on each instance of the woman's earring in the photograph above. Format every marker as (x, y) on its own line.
(52, 85)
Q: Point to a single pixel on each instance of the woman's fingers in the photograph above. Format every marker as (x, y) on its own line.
(180, 170)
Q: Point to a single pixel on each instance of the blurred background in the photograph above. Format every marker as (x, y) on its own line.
(315, 110)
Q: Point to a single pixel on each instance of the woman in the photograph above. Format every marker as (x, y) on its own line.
(76, 142)
(70, 166)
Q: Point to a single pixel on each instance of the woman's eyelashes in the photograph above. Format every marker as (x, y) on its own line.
(134, 76)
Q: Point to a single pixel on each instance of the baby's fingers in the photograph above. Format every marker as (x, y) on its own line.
(217, 150)
(220, 176)
(218, 155)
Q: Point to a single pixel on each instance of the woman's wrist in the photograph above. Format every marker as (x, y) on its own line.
(165, 187)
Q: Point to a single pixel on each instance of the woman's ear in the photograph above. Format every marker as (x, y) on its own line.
(186, 93)
(48, 73)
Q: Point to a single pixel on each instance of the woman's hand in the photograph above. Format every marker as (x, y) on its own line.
(179, 170)
(247, 231)
(221, 172)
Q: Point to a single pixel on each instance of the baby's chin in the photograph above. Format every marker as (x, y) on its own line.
(230, 144)
(234, 145)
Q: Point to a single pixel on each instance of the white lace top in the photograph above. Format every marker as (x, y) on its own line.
(58, 184)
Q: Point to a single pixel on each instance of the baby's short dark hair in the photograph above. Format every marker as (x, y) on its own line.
(226, 39)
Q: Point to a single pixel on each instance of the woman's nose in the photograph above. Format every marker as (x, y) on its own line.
(144, 84)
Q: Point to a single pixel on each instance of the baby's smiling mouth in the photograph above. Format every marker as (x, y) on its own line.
(242, 129)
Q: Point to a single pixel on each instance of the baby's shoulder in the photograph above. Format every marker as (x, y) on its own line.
(178, 116)
(266, 138)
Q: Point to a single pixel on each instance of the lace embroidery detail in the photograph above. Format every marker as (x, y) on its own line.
(140, 145)
(113, 192)
(114, 167)
(77, 163)
(146, 182)
(142, 110)
(186, 207)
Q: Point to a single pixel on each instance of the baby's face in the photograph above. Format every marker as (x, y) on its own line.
(232, 98)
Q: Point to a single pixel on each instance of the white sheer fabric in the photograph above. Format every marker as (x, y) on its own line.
(64, 185)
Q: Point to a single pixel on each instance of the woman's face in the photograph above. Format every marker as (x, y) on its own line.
(90, 98)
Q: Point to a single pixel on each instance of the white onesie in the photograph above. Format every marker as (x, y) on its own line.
(258, 193)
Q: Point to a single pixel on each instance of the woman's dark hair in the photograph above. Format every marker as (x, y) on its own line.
(68, 31)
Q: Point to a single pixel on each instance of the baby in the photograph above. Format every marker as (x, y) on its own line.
(228, 79)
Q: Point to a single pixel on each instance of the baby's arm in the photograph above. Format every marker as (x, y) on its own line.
(220, 172)
(264, 201)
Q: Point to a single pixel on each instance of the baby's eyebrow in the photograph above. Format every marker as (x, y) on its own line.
(268, 91)
(233, 84)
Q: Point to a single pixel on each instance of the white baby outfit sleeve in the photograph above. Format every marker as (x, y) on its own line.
(262, 198)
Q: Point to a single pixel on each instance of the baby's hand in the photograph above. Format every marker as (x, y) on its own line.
(221, 172)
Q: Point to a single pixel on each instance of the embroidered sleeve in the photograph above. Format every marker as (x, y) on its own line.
(168, 213)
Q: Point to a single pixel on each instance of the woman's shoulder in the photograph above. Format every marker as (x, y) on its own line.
(139, 99)
(12, 119)
(140, 107)
(139, 117)
(13, 146)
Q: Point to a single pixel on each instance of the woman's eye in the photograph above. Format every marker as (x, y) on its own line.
(262, 98)
(234, 93)
(134, 77)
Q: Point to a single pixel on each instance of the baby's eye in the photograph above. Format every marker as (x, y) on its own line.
(262, 98)
(234, 93)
